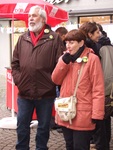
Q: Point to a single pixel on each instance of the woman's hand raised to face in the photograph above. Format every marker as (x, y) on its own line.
(67, 58)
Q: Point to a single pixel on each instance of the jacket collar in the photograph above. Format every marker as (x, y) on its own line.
(48, 35)
(86, 52)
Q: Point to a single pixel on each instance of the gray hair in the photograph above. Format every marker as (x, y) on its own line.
(41, 12)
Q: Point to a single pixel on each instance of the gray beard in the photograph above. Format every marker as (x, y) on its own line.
(36, 27)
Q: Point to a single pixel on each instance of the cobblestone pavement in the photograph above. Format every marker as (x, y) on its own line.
(8, 136)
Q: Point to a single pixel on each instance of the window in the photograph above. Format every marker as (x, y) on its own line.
(98, 19)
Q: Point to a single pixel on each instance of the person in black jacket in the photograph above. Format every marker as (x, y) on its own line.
(104, 39)
(104, 44)
(92, 32)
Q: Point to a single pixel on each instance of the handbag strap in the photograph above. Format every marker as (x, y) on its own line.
(78, 80)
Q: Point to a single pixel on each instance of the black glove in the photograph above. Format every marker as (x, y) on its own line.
(67, 58)
(95, 121)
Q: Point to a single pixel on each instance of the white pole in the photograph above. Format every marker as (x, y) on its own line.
(12, 25)
(12, 110)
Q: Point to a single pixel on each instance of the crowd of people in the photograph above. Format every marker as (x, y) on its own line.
(45, 65)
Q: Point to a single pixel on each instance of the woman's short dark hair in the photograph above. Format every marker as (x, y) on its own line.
(88, 27)
(75, 35)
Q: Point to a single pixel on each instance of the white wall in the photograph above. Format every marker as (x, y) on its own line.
(86, 4)
(4, 49)
(109, 29)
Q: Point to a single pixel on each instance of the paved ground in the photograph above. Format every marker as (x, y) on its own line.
(8, 136)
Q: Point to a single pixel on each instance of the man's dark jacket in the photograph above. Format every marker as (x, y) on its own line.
(32, 65)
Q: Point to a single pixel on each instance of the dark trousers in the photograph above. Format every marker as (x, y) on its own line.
(108, 131)
(24, 117)
(102, 134)
(77, 140)
(53, 125)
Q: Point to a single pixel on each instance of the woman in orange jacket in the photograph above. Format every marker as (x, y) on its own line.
(90, 92)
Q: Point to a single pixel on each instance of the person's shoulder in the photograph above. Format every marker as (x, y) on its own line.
(106, 48)
(24, 34)
(94, 56)
(55, 36)
(89, 51)
(50, 30)
(91, 55)
(54, 33)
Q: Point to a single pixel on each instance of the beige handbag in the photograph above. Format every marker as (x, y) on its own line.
(66, 106)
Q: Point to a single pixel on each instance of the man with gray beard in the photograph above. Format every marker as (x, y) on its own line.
(34, 58)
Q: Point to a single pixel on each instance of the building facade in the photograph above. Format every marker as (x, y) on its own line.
(80, 11)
